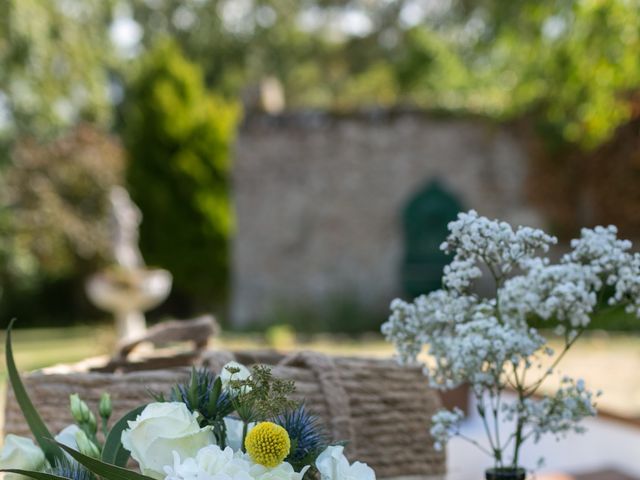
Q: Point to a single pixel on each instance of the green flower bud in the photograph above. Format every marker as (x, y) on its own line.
(91, 423)
(86, 446)
(105, 407)
(76, 407)
(85, 412)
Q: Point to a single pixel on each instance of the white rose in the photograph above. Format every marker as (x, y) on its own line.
(226, 376)
(234, 432)
(333, 465)
(161, 429)
(284, 471)
(211, 462)
(20, 453)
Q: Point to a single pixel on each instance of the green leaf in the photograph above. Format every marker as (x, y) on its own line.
(102, 469)
(113, 452)
(34, 475)
(40, 431)
(213, 395)
(193, 395)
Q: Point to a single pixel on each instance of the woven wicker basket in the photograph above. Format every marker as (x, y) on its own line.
(383, 409)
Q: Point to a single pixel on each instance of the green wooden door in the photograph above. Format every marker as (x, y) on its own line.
(425, 220)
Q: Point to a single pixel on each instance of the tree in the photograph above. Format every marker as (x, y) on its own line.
(54, 222)
(55, 58)
(569, 66)
(179, 136)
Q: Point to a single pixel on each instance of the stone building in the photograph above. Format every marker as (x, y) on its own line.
(349, 206)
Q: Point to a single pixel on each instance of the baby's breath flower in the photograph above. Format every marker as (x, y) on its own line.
(488, 342)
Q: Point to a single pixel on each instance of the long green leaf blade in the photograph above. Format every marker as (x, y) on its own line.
(40, 431)
(113, 452)
(34, 475)
(102, 469)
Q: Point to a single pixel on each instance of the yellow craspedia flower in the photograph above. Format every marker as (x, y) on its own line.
(268, 444)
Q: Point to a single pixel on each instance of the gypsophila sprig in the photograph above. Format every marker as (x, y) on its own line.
(476, 240)
(489, 343)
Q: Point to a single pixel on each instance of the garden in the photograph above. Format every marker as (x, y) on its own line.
(332, 240)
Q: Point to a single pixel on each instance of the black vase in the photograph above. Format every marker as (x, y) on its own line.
(505, 474)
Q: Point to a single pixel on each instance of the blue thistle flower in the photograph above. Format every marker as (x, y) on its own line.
(308, 437)
(72, 470)
(198, 394)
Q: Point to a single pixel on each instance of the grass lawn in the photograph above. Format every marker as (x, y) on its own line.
(38, 348)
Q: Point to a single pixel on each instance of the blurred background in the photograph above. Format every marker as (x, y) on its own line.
(295, 163)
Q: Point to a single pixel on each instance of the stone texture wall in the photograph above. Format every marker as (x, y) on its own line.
(319, 201)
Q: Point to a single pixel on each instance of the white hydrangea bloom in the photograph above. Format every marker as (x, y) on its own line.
(215, 463)
(489, 344)
(284, 471)
(210, 463)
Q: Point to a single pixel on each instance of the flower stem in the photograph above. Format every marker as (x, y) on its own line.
(245, 428)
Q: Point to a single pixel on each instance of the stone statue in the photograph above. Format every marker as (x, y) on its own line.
(130, 289)
(126, 218)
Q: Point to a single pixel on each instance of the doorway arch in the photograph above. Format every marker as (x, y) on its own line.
(425, 219)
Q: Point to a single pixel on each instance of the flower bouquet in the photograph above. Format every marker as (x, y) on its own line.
(240, 424)
(490, 343)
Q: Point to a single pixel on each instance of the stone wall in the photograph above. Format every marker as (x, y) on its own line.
(319, 201)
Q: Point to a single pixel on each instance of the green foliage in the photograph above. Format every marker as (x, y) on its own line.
(570, 66)
(54, 221)
(37, 426)
(203, 393)
(179, 138)
(36, 475)
(86, 421)
(71, 470)
(54, 62)
(102, 469)
(113, 452)
(57, 193)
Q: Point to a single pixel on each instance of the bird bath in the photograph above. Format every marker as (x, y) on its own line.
(129, 288)
(127, 294)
